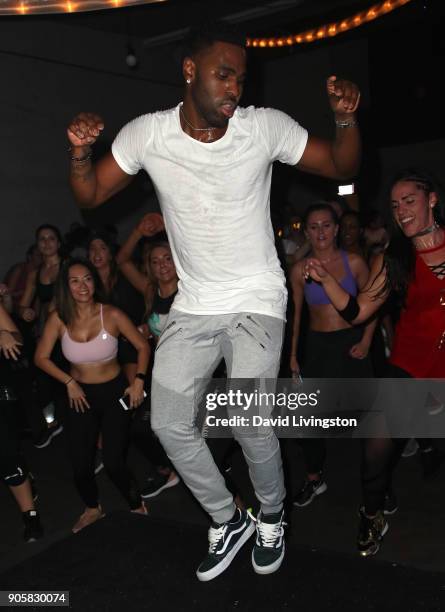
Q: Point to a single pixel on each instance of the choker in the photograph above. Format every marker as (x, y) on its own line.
(427, 230)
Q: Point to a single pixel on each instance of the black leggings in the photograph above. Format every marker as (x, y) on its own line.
(327, 356)
(379, 459)
(106, 415)
(145, 440)
(13, 470)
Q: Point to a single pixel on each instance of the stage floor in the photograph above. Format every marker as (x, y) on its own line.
(129, 557)
(128, 562)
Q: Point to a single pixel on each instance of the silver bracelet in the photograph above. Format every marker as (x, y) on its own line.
(345, 123)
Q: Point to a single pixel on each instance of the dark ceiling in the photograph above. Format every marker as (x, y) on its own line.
(166, 21)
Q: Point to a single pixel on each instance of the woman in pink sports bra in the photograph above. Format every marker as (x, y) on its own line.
(88, 330)
(333, 347)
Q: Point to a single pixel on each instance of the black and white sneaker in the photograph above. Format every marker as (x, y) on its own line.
(225, 541)
(268, 552)
(158, 483)
(33, 529)
(45, 437)
(309, 491)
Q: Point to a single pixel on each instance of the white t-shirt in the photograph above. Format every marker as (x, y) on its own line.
(215, 199)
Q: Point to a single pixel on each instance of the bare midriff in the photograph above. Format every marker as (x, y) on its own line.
(95, 373)
(325, 318)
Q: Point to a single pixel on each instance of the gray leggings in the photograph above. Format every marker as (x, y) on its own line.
(189, 349)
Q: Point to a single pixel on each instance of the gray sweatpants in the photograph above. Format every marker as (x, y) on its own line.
(190, 348)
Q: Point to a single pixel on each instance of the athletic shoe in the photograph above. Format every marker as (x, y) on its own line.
(33, 529)
(225, 541)
(370, 533)
(434, 405)
(309, 491)
(268, 552)
(158, 483)
(46, 436)
(390, 505)
(411, 448)
(142, 510)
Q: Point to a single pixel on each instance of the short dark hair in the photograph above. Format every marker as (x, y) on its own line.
(206, 34)
(65, 306)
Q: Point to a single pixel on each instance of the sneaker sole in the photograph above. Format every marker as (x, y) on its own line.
(434, 411)
(52, 435)
(269, 569)
(168, 485)
(409, 454)
(321, 489)
(224, 564)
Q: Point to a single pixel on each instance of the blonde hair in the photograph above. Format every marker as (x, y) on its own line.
(146, 270)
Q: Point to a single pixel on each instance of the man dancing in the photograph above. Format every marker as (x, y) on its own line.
(211, 164)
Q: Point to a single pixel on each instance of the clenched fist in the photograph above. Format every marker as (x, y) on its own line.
(85, 129)
(344, 96)
(151, 224)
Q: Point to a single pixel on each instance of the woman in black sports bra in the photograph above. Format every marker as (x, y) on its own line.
(40, 282)
(35, 305)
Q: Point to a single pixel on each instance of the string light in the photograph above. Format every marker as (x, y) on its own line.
(28, 7)
(332, 29)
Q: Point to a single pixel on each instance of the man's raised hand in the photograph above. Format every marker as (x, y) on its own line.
(85, 129)
(344, 96)
(151, 224)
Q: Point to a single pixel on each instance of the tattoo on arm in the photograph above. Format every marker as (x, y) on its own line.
(83, 173)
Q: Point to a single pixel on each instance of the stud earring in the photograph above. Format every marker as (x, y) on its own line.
(188, 81)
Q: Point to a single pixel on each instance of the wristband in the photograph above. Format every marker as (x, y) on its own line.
(140, 375)
(351, 310)
(345, 123)
(69, 380)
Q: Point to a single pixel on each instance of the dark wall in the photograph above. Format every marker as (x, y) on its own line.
(49, 73)
(296, 84)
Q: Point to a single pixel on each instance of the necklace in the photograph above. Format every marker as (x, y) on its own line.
(428, 230)
(435, 235)
(209, 130)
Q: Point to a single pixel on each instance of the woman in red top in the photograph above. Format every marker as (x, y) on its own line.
(413, 266)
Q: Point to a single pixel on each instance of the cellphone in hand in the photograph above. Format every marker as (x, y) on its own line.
(124, 404)
(297, 379)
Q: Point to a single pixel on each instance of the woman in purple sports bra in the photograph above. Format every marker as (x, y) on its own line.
(333, 348)
(88, 330)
